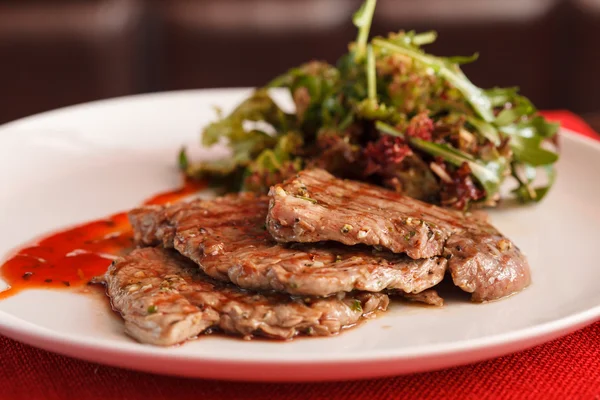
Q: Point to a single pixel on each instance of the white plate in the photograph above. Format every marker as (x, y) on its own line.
(88, 161)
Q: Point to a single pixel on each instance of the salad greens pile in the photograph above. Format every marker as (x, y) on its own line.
(391, 114)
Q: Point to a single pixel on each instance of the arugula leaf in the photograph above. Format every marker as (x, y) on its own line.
(489, 174)
(463, 59)
(324, 74)
(507, 116)
(419, 39)
(474, 95)
(372, 110)
(542, 127)
(486, 129)
(362, 20)
(288, 144)
(272, 159)
(245, 145)
(526, 140)
(520, 107)
(389, 130)
(215, 168)
(413, 39)
(182, 159)
(528, 151)
(542, 191)
(371, 74)
(499, 97)
(272, 165)
(525, 192)
(536, 126)
(258, 107)
(311, 85)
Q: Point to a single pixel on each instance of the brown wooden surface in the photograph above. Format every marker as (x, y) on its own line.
(56, 53)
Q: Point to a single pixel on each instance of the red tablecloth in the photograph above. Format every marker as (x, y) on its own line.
(567, 368)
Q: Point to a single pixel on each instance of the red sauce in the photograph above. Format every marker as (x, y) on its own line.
(72, 257)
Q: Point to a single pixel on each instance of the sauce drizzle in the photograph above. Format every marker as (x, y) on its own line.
(71, 258)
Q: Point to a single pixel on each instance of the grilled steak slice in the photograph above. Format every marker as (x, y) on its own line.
(316, 206)
(488, 265)
(165, 300)
(228, 239)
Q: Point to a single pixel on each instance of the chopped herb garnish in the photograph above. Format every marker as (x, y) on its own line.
(27, 275)
(48, 280)
(66, 283)
(346, 228)
(152, 309)
(306, 198)
(356, 306)
(410, 235)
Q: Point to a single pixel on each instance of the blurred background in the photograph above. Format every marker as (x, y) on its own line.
(55, 53)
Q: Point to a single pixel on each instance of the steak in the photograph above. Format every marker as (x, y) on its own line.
(429, 297)
(227, 238)
(315, 206)
(165, 299)
(488, 265)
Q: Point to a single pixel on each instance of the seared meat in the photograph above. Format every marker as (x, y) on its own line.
(487, 264)
(315, 206)
(165, 300)
(429, 296)
(228, 239)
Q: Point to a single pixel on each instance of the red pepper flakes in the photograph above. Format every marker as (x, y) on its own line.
(387, 150)
(420, 126)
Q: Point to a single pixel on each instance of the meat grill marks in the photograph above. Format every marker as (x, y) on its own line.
(164, 299)
(316, 206)
(227, 238)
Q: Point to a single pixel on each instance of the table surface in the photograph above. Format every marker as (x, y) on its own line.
(593, 120)
(567, 368)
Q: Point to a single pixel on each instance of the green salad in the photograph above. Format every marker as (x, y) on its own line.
(390, 114)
